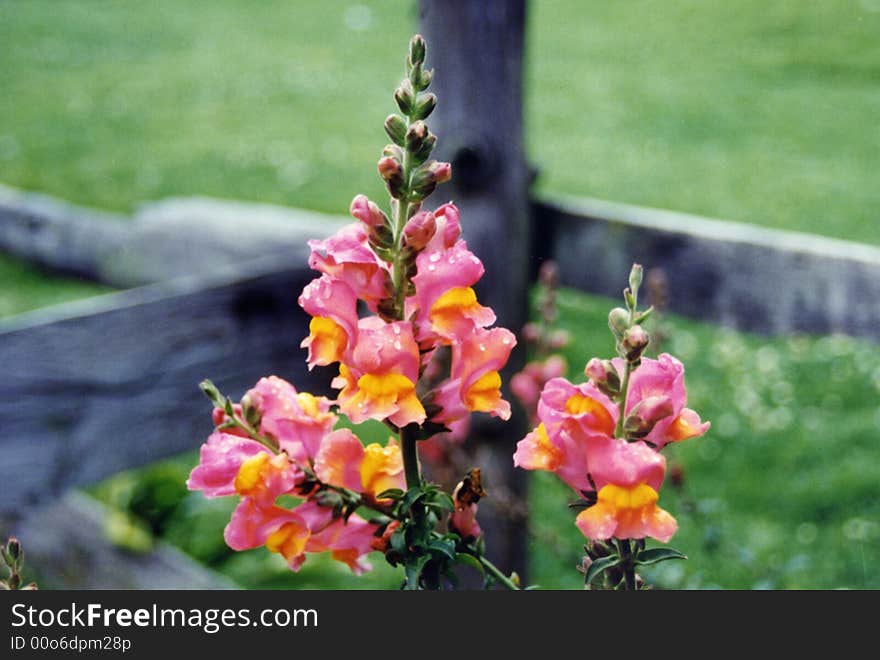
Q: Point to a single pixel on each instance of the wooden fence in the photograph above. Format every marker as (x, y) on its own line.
(100, 385)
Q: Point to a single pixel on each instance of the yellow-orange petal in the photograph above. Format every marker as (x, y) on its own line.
(326, 341)
(537, 452)
(687, 425)
(250, 475)
(451, 306)
(485, 394)
(289, 540)
(382, 468)
(600, 419)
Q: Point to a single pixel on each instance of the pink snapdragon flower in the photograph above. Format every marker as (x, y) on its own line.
(655, 388)
(293, 533)
(220, 459)
(298, 420)
(347, 256)
(333, 307)
(366, 211)
(581, 409)
(563, 453)
(447, 305)
(377, 379)
(475, 382)
(628, 476)
(344, 462)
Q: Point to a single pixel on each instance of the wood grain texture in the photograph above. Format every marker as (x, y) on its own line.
(476, 50)
(742, 276)
(110, 383)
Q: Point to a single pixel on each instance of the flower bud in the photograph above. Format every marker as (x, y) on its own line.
(442, 172)
(13, 548)
(404, 95)
(389, 168)
(394, 151)
(424, 151)
(395, 127)
(635, 341)
(451, 225)
(645, 415)
(425, 104)
(250, 408)
(367, 212)
(419, 230)
(604, 375)
(417, 49)
(635, 278)
(416, 135)
(618, 321)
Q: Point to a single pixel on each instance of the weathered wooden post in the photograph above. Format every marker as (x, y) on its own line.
(476, 50)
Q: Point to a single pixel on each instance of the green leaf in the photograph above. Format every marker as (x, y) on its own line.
(441, 501)
(390, 494)
(412, 496)
(469, 560)
(398, 540)
(444, 547)
(413, 570)
(656, 555)
(600, 566)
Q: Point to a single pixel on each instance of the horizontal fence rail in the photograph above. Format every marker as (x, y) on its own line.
(742, 276)
(100, 385)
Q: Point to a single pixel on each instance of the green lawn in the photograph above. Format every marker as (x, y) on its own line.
(754, 111)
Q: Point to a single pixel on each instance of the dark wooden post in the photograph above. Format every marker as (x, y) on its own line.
(476, 50)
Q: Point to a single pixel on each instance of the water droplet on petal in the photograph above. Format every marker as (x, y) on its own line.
(505, 341)
(432, 267)
(482, 347)
(435, 257)
(398, 346)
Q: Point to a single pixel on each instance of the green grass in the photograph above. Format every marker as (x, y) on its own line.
(754, 111)
(762, 112)
(781, 493)
(24, 288)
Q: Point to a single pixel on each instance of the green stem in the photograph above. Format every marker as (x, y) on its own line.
(627, 370)
(624, 389)
(399, 271)
(496, 573)
(626, 564)
(409, 449)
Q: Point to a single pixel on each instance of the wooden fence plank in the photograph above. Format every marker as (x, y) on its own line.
(101, 385)
(743, 276)
(66, 543)
(164, 240)
(476, 50)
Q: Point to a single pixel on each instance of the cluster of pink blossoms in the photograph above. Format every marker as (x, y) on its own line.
(278, 441)
(381, 359)
(619, 476)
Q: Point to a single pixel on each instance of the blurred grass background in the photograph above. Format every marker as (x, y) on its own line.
(762, 113)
